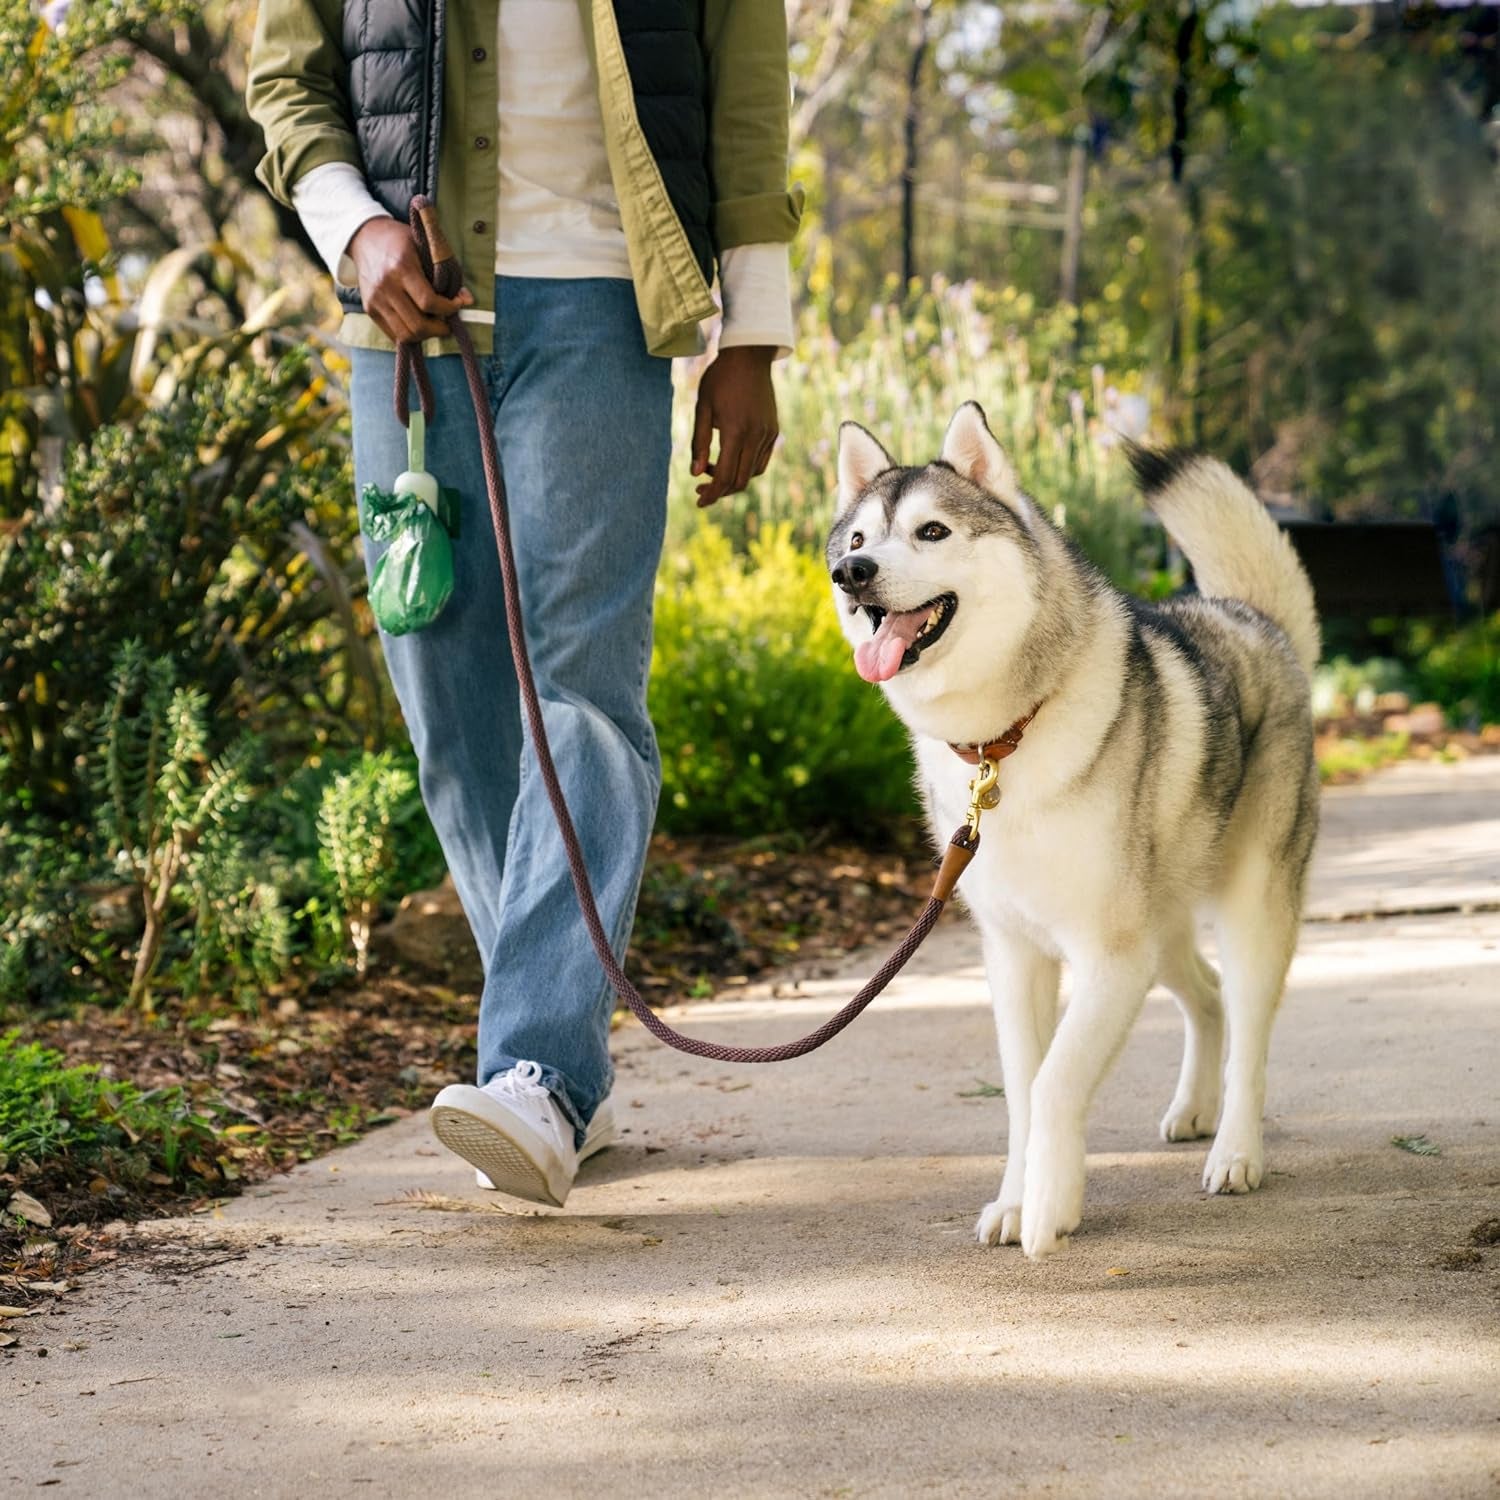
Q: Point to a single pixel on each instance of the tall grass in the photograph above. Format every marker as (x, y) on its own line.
(903, 376)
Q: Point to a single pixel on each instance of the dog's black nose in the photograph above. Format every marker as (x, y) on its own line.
(854, 571)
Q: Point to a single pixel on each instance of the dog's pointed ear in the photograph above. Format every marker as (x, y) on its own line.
(970, 447)
(861, 458)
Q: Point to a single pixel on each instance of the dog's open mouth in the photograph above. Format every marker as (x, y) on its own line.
(901, 637)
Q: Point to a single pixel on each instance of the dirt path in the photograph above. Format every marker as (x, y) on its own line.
(771, 1288)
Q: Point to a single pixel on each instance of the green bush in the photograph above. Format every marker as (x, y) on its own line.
(74, 1119)
(195, 529)
(1343, 685)
(1459, 669)
(903, 375)
(763, 724)
(55, 937)
(157, 792)
(357, 820)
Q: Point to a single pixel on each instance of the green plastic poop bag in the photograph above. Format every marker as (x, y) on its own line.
(413, 578)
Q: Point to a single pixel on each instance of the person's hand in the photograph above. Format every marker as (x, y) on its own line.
(392, 287)
(736, 397)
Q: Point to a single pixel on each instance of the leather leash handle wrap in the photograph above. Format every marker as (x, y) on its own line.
(438, 260)
(440, 266)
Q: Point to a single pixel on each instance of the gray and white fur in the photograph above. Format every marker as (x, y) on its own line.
(1168, 774)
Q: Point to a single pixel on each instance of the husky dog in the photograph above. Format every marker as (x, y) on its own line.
(1168, 771)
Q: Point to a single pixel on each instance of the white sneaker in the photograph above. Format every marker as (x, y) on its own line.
(601, 1133)
(515, 1134)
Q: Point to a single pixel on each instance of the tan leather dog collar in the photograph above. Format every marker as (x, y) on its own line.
(996, 749)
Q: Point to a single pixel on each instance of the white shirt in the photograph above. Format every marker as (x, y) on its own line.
(557, 215)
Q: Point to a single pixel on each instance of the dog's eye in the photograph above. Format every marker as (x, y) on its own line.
(933, 531)
(856, 541)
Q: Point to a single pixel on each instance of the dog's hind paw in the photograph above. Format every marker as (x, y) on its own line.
(999, 1224)
(1231, 1171)
(1188, 1120)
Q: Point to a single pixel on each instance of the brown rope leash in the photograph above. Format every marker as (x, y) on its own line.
(443, 270)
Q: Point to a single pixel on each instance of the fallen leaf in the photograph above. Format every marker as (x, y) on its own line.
(1418, 1145)
(1117, 1271)
(982, 1090)
(15, 1312)
(7, 1339)
(24, 1206)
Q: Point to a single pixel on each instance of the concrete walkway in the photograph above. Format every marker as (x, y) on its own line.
(771, 1287)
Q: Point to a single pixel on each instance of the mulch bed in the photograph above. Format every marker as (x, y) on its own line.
(315, 1068)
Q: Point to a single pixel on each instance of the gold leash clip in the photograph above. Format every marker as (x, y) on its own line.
(984, 793)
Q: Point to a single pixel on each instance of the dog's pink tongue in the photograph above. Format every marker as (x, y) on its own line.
(879, 658)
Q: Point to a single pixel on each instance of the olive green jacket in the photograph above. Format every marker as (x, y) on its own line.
(296, 93)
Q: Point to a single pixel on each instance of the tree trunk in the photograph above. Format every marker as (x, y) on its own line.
(920, 39)
(1186, 325)
(199, 66)
(146, 954)
(1078, 166)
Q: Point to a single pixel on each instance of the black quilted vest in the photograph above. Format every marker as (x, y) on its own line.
(394, 52)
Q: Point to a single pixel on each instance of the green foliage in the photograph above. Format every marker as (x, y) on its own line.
(1287, 215)
(73, 1118)
(194, 529)
(55, 942)
(54, 127)
(157, 790)
(1352, 332)
(762, 721)
(242, 931)
(1460, 669)
(63, 363)
(356, 825)
(1456, 667)
(983, 1090)
(1343, 685)
(1348, 758)
(903, 375)
(1417, 1145)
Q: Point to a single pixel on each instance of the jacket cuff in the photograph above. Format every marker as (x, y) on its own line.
(755, 282)
(293, 158)
(760, 219)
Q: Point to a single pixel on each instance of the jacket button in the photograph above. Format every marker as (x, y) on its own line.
(478, 54)
(480, 226)
(480, 142)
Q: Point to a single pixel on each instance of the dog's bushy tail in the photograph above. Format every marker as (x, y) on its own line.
(1236, 549)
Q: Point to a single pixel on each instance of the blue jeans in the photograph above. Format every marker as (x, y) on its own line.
(582, 416)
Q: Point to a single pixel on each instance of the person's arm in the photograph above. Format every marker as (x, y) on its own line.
(334, 203)
(749, 101)
(755, 216)
(296, 93)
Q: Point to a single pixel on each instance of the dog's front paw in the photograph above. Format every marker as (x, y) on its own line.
(1232, 1169)
(999, 1224)
(1053, 1202)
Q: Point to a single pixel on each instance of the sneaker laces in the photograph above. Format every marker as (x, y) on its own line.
(524, 1081)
